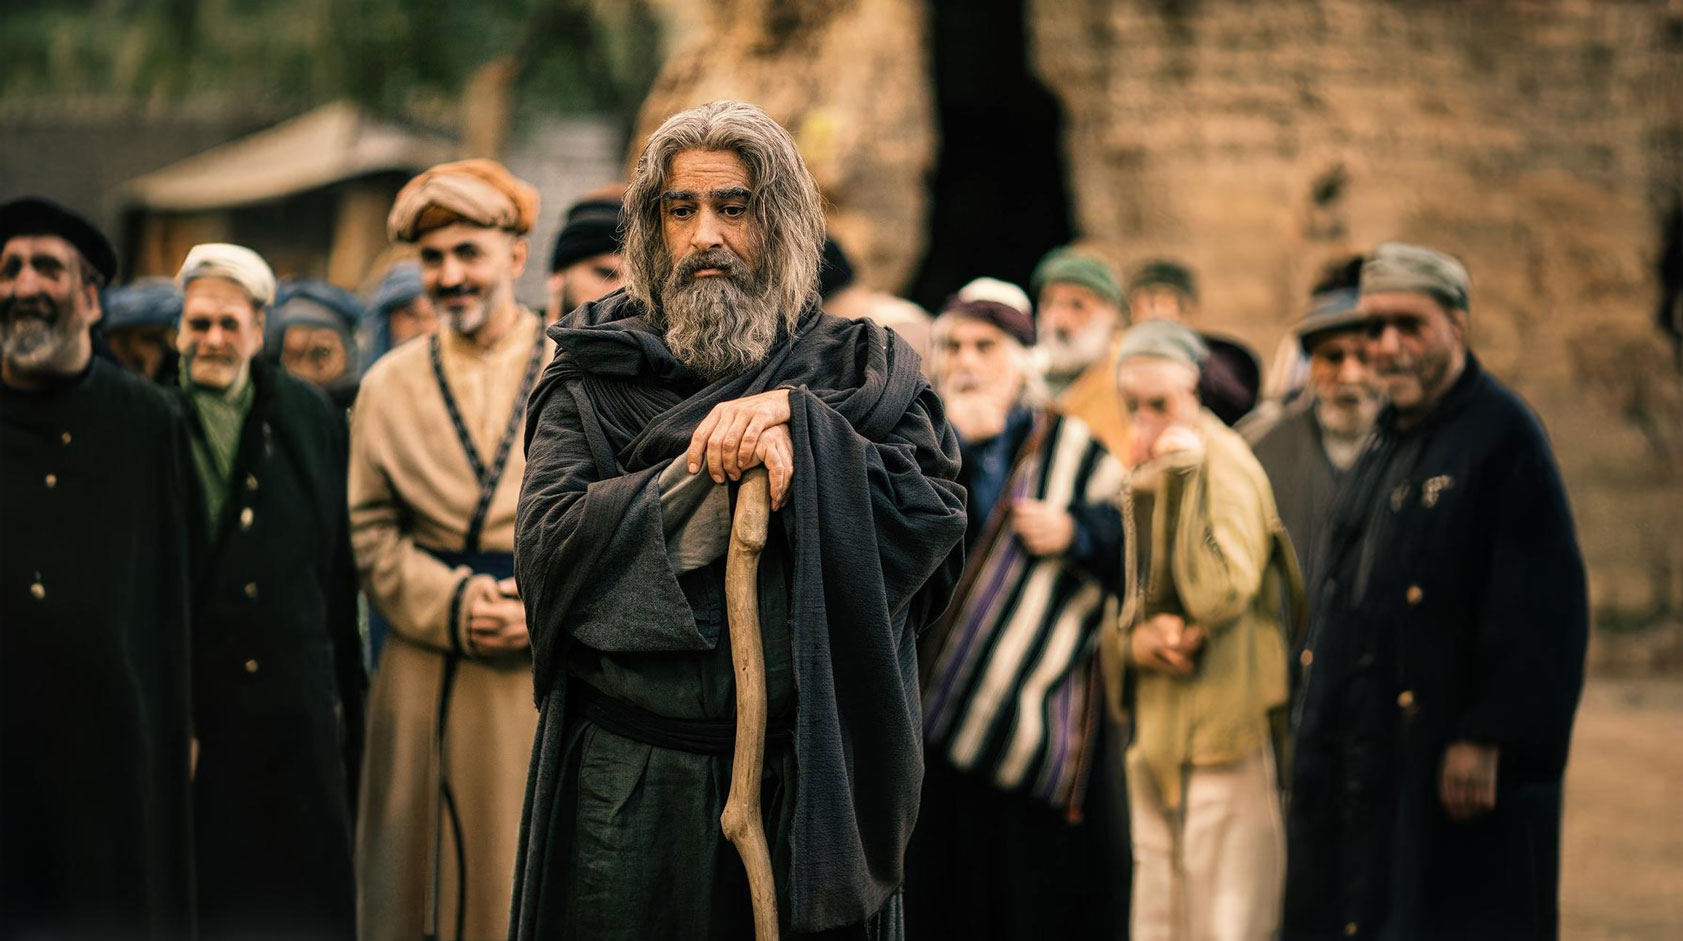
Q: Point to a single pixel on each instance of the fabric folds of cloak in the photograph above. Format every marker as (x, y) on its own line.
(592, 564)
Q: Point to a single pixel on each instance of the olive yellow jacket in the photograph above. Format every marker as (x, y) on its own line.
(1204, 541)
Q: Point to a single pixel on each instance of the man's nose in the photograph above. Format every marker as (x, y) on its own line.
(1352, 369)
(1384, 343)
(27, 283)
(450, 272)
(708, 233)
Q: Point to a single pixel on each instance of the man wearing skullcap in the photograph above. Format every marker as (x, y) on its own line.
(1198, 654)
(139, 327)
(312, 334)
(278, 680)
(436, 463)
(1079, 306)
(586, 263)
(1446, 654)
(1013, 837)
(1162, 289)
(846, 297)
(95, 839)
(1309, 447)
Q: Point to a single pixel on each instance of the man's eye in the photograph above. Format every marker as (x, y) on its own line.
(733, 212)
(680, 212)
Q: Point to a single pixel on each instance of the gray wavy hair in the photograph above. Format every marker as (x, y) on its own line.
(785, 205)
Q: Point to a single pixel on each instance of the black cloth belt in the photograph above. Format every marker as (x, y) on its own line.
(696, 736)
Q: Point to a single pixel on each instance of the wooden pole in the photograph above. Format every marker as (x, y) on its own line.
(741, 820)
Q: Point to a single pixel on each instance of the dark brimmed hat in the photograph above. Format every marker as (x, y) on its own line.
(33, 215)
(1014, 322)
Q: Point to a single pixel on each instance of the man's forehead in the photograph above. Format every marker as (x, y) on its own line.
(1398, 302)
(705, 171)
(971, 330)
(1150, 376)
(458, 234)
(27, 245)
(214, 295)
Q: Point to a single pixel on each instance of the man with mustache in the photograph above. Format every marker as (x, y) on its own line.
(714, 360)
(1080, 314)
(277, 660)
(434, 476)
(1446, 653)
(586, 263)
(1308, 448)
(1162, 289)
(1013, 838)
(94, 571)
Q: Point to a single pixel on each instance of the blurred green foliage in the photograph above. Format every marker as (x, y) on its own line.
(392, 56)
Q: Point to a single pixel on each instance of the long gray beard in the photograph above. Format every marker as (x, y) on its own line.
(716, 328)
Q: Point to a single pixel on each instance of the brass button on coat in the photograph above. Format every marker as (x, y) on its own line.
(65, 437)
(1351, 929)
(38, 591)
(1306, 657)
(251, 666)
(1405, 699)
(52, 481)
(251, 481)
(246, 516)
(1414, 594)
(251, 590)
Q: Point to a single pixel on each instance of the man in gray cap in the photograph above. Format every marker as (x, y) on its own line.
(94, 724)
(1446, 655)
(1307, 448)
(1198, 654)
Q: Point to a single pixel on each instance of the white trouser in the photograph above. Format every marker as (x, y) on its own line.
(1214, 870)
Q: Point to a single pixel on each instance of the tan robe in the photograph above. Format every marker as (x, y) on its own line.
(411, 486)
(1094, 398)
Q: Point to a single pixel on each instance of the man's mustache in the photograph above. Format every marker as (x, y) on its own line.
(444, 294)
(39, 307)
(718, 258)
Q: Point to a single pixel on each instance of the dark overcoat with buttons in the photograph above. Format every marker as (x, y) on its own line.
(278, 678)
(94, 795)
(1450, 605)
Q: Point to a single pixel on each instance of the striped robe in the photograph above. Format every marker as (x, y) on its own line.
(1010, 689)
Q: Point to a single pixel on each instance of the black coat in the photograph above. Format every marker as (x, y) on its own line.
(1450, 606)
(95, 509)
(278, 677)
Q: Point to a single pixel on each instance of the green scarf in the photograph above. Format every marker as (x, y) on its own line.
(221, 417)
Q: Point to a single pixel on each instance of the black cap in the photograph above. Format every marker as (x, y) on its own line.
(33, 215)
(593, 227)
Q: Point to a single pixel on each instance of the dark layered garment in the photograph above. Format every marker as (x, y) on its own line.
(95, 839)
(631, 769)
(1449, 606)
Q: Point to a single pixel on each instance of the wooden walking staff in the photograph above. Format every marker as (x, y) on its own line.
(741, 821)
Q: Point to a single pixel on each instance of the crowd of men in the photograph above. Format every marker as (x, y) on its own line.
(406, 616)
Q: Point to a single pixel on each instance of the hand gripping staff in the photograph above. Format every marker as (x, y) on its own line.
(741, 821)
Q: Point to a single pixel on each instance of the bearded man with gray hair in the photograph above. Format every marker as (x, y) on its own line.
(714, 360)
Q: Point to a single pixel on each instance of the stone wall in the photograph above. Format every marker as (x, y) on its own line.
(1539, 141)
(849, 78)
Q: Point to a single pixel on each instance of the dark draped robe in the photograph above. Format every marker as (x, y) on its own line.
(1450, 605)
(871, 538)
(94, 725)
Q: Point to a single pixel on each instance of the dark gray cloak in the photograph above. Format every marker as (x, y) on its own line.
(873, 526)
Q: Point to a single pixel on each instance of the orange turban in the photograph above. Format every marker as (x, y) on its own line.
(477, 191)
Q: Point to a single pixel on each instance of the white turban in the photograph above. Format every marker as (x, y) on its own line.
(235, 263)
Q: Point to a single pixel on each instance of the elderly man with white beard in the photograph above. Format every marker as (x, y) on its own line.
(1081, 313)
(1014, 839)
(717, 359)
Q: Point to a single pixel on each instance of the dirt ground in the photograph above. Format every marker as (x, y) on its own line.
(1622, 864)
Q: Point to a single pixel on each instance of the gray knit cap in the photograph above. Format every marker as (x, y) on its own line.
(1164, 339)
(1398, 266)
